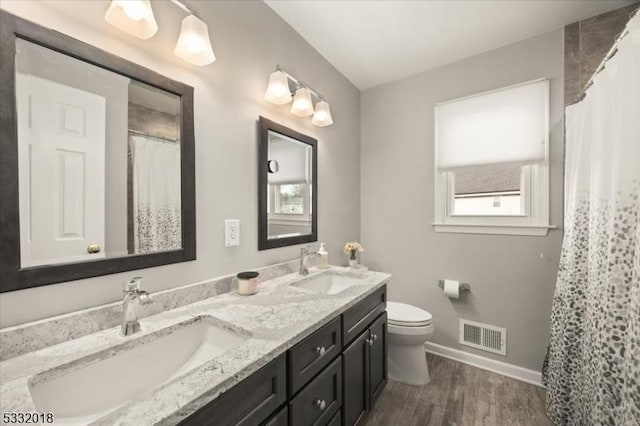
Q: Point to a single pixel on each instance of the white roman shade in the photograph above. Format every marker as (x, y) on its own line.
(293, 158)
(508, 125)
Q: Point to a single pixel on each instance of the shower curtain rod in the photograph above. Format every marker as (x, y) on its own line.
(163, 139)
(608, 56)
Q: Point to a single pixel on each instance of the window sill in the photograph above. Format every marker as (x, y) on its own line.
(526, 230)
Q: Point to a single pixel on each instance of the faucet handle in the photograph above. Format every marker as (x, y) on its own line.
(132, 285)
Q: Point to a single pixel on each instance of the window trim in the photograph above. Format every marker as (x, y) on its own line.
(534, 190)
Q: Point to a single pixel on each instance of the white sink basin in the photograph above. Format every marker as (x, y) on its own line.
(328, 283)
(117, 377)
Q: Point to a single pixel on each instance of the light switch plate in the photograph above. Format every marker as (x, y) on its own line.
(231, 232)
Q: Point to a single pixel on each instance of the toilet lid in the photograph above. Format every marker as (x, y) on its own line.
(407, 315)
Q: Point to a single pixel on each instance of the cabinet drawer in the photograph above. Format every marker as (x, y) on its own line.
(310, 356)
(250, 402)
(358, 317)
(305, 409)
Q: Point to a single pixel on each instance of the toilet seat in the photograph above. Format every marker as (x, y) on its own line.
(403, 315)
(401, 330)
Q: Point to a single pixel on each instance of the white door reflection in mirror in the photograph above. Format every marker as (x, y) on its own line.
(289, 187)
(61, 133)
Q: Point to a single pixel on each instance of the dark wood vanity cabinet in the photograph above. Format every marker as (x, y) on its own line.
(331, 378)
(364, 364)
(250, 402)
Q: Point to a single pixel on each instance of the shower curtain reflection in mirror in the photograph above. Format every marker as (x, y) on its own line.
(155, 195)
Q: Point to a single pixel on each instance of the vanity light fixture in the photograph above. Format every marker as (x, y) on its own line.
(135, 17)
(279, 93)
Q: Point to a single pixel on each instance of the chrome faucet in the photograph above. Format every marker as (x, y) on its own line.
(133, 297)
(304, 259)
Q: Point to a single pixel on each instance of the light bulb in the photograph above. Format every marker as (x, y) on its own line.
(320, 116)
(134, 9)
(302, 106)
(194, 44)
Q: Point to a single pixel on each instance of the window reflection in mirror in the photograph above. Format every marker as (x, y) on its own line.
(289, 187)
(98, 158)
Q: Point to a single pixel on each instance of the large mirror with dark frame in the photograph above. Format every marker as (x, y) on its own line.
(97, 160)
(288, 188)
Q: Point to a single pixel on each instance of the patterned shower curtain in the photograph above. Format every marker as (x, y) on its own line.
(592, 371)
(157, 224)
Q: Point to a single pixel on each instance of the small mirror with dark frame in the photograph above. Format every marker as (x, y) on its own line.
(97, 160)
(288, 186)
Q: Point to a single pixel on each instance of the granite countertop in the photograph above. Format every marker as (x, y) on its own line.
(272, 321)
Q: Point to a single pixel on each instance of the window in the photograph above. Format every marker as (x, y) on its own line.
(491, 162)
(290, 198)
(492, 191)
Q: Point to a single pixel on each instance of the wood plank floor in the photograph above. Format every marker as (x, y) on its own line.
(460, 395)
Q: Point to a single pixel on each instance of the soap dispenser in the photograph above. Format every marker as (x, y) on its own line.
(323, 257)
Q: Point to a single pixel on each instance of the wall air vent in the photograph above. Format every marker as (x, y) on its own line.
(483, 336)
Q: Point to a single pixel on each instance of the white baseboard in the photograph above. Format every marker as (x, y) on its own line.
(499, 367)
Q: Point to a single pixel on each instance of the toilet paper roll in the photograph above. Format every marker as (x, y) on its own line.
(452, 289)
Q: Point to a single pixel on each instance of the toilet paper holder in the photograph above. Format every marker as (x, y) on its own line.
(463, 286)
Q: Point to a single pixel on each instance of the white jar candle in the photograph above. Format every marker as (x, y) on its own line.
(247, 283)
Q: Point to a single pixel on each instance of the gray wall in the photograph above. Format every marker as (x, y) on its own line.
(249, 39)
(512, 285)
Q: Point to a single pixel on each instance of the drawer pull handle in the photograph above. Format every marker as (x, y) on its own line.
(370, 342)
(375, 337)
(321, 404)
(320, 350)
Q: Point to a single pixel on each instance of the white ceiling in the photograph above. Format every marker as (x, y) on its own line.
(374, 42)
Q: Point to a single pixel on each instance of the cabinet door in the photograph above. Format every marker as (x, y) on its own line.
(280, 419)
(355, 364)
(378, 356)
(336, 420)
(318, 402)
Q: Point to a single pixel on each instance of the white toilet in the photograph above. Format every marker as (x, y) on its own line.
(408, 329)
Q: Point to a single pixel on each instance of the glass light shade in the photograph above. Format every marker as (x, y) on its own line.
(322, 115)
(302, 105)
(193, 44)
(278, 89)
(134, 17)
